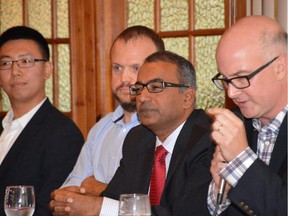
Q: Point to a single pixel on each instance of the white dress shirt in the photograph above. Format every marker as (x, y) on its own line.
(110, 206)
(12, 128)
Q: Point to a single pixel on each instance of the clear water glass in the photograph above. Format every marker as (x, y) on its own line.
(134, 205)
(19, 201)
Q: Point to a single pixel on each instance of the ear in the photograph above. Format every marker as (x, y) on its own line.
(190, 96)
(282, 67)
(48, 70)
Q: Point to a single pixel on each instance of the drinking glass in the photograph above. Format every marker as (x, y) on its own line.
(134, 205)
(19, 201)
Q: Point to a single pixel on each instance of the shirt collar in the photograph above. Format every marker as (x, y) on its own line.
(118, 115)
(274, 125)
(170, 141)
(23, 120)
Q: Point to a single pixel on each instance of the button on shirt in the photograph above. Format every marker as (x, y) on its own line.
(12, 129)
(110, 206)
(101, 153)
(236, 168)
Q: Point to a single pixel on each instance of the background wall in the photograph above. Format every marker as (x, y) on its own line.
(276, 9)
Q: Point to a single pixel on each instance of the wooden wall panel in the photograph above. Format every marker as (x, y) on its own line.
(93, 27)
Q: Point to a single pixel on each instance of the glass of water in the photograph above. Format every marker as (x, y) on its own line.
(19, 201)
(134, 205)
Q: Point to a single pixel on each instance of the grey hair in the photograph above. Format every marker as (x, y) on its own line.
(185, 69)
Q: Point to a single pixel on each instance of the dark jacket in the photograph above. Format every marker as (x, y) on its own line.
(187, 181)
(42, 156)
(262, 190)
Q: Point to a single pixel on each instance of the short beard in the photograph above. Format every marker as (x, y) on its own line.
(129, 107)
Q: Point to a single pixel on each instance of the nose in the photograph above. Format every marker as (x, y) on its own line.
(232, 92)
(128, 76)
(144, 96)
(15, 70)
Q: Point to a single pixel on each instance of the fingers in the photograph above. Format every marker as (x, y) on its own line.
(75, 189)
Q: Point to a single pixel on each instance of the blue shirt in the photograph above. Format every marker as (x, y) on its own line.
(102, 151)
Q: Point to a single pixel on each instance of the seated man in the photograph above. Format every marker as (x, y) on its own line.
(165, 98)
(101, 153)
(39, 144)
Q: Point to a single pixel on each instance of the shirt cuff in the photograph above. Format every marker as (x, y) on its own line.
(109, 207)
(211, 201)
(236, 168)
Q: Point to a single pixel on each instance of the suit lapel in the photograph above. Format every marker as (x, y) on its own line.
(148, 158)
(252, 134)
(23, 139)
(185, 141)
(280, 149)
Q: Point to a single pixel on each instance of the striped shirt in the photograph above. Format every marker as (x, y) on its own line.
(235, 169)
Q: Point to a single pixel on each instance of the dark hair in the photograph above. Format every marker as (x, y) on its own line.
(138, 31)
(24, 32)
(185, 69)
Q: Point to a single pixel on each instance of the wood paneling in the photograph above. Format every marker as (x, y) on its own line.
(93, 26)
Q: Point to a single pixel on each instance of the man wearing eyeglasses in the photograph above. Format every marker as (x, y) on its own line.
(251, 157)
(172, 128)
(101, 153)
(39, 145)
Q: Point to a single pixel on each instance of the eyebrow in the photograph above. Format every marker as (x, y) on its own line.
(132, 65)
(238, 73)
(153, 80)
(19, 57)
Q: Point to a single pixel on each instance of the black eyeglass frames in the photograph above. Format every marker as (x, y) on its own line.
(239, 82)
(153, 87)
(22, 63)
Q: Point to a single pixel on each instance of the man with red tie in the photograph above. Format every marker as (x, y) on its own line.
(167, 156)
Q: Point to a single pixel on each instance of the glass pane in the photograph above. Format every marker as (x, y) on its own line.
(174, 15)
(11, 14)
(49, 82)
(178, 45)
(5, 101)
(39, 16)
(209, 14)
(62, 19)
(64, 78)
(141, 12)
(207, 94)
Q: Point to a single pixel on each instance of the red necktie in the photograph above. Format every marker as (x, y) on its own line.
(158, 176)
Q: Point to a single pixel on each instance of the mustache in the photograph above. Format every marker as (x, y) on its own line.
(143, 107)
(122, 86)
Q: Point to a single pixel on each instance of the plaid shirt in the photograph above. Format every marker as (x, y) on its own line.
(236, 168)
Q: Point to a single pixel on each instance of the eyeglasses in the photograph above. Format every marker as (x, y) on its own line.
(153, 87)
(239, 82)
(22, 63)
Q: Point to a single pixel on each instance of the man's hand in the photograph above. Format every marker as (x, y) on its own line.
(228, 132)
(217, 164)
(229, 136)
(92, 186)
(71, 201)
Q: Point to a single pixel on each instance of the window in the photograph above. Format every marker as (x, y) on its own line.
(51, 19)
(192, 29)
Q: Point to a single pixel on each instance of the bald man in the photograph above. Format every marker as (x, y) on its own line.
(251, 154)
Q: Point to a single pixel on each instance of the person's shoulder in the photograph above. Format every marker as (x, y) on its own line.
(199, 117)
(140, 132)
(53, 118)
(103, 123)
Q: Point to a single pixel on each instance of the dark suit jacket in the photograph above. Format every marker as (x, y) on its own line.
(43, 155)
(262, 190)
(188, 175)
